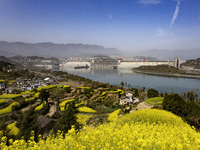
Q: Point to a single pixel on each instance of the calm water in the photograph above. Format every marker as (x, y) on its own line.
(162, 84)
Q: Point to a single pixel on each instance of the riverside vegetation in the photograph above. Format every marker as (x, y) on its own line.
(87, 117)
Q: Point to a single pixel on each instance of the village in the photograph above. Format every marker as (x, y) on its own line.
(50, 92)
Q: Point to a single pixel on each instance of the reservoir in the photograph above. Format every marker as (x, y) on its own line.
(136, 80)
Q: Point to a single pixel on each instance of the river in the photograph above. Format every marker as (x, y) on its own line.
(137, 80)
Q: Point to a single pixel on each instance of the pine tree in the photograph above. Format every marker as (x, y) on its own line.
(67, 119)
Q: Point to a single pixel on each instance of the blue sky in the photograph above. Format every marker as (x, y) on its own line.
(129, 25)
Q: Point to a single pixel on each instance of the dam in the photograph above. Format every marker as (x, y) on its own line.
(119, 63)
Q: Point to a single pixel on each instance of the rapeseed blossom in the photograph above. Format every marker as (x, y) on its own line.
(41, 106)
(114, 115)
(86, 110)
(144, 129)
(13, 129)
(9, 108)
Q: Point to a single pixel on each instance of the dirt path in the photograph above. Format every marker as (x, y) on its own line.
(28, 107)
(70, 83)
(52, 110)
(142, 105)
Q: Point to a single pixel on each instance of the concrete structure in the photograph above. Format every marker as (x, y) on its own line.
(119, 63)
(177, 62)
(74, 63)
(134, 64)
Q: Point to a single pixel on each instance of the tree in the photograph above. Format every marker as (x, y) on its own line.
(136, 94)
(122, 83)
(152, 93)
(67, 119)
(190, 96)
(174, 103)
(26, 123)
(44, 95)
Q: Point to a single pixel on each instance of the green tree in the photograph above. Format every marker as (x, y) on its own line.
(26, 123)
(136, 93)
(152, 93)
(174, 103)
(44, 95)
(67, 119)
(122, 83)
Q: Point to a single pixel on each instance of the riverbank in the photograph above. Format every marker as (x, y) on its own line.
(167, 74)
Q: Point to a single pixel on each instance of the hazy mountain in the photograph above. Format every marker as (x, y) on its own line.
(171, 54)
(2, 58)
(10, 49)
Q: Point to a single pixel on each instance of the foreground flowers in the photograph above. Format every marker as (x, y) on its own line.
(144, 129)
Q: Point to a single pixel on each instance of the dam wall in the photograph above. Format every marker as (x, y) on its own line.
(119, 64)
(75, 64)
(134, 64)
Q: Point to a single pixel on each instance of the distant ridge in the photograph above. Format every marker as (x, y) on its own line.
(171, 54)
(10, 49)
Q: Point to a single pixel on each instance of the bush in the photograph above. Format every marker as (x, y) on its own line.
(174, 103)
(152, 93)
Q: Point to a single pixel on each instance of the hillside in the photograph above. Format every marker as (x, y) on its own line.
(192, 63)
(5, 65)
(13, 62)
(10, 49)
(143, 129)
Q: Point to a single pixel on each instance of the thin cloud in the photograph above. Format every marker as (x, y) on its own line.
(146, 2)
(175, 13)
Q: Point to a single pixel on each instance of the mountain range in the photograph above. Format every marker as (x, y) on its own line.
(171, 54)
(10, 49)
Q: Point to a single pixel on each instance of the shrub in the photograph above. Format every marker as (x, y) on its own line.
(174, 103)
(152, 93)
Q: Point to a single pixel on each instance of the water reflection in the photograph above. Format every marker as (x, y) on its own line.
(115, 77)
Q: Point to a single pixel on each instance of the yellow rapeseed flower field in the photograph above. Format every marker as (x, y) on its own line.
(9, 96)
(2, 101)
(148, 129)
(114, 115)
(13, 129)
(86, 110)
(41, 106)
(82, 119)
(8, 109)
(46, 87)
(154, 101)
(27, 92)
(63, 103)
